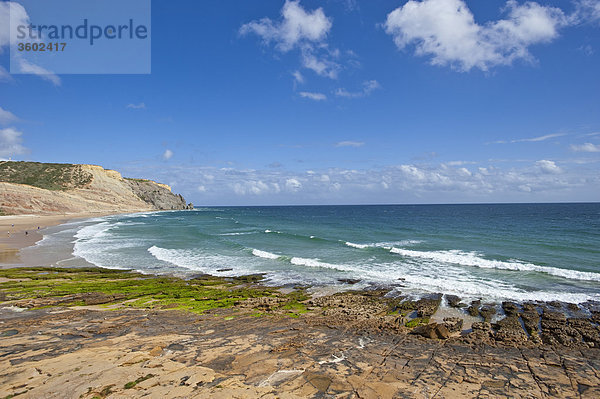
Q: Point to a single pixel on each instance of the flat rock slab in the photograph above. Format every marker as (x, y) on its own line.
(140, 353)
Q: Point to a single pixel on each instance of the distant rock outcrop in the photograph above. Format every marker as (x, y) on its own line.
(43, 188)
(158, 195)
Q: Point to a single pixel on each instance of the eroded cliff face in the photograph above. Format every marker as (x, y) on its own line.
(36, 188)
(158, 195)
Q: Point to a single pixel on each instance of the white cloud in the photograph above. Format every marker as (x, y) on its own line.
(313, 96)
(4, 75)
(293, 185)
(7, 117)
(27, 67)
(303, 30)
(459, 163)
(368, 87)
(532, 139)
(413, 173)
(10, 143)
(446, 31)
(464, 172)
(136, 106)
(253, 187)
(298, 78)
(586, 49)
(168, 154)
(350, 144)
(540, 181)
(322, 66)
(525, 188)
(587, 147)
(587, 11)
(297, 27)
(201, 189)
(12, 12)
(19, 16)
(549, 167)
(540, 138)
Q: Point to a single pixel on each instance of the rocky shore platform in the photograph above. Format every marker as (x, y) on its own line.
(96, 333)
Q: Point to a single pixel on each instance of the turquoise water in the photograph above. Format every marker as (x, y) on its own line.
(512, 251)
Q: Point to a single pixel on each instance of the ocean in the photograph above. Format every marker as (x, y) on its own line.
(523, 252)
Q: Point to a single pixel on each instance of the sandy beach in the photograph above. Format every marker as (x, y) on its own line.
(21, 231)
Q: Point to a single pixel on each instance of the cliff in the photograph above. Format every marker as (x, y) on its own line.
(45, 188)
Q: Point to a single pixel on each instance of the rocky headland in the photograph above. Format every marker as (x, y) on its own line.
(49, 189)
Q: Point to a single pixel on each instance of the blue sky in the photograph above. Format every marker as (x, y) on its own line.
(337, 101)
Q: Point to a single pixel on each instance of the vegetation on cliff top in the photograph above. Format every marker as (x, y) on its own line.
(49, 176)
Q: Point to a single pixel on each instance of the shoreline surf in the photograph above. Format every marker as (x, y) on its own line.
(235, 241)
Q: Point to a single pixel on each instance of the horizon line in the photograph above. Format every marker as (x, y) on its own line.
(411, 204)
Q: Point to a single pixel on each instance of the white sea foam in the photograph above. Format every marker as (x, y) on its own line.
(298, 261)
(176, 257)
(472, 288)
(197, 260)
(222, 218)
(317, 263)
(97, 245)
(359, 246)
(385, 245)
(264, 254)
(144, 214)
(402, 243)
(241, 233)
(474, 259)
(93, 231)
(273, 231)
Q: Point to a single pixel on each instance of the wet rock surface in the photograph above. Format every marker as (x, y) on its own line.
(509, 331)
(453, 324)
(473, 310)
(83, 353)
(454, 301)
(426, 307)
(487, 312)
(432, 331)
(350, 281)
(363, 310)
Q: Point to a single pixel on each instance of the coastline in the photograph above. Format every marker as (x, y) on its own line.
(127, 334)
(13, 228)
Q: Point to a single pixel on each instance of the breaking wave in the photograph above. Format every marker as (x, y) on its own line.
(475, 260)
